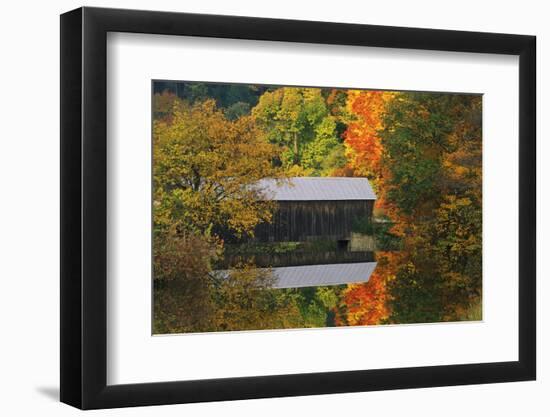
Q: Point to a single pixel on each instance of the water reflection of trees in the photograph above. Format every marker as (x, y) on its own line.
(435, 277)
(440, 276)
(415, 285)
(188, 297)
(423, 283)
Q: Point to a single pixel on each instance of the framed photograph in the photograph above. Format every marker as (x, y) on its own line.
(257, 208)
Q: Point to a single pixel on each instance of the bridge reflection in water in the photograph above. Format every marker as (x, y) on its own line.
(307, 269)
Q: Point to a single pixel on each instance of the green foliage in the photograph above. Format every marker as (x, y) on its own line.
(335, 160)
(328, 297)
(321, 146)
(386, 240)
(315, 304)
(458, 245)
(363, 225)
(418, 139)
(298, 120)
(250, 248)
(237, 110)
(416, 295)
(263, 248)
(225, 95)
(433, 152)
(320, 245)
(380, 229)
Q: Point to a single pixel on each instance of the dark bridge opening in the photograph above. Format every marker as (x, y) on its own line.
(343, 244)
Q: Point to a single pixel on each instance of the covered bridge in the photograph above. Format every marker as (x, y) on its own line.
(315, 208)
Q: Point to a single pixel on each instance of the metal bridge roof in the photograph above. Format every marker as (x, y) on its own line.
(319, 275)
(316, 188)
(316, 275)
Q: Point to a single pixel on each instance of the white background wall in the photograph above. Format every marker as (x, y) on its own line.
(29, 225)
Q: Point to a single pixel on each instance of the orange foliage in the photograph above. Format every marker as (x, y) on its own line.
(367, 304)
(361, 137)
(364, 148)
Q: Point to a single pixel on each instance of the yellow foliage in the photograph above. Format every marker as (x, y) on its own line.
(204, 169)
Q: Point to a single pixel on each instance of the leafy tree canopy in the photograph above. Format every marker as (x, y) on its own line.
(299, 121)
(204, 166)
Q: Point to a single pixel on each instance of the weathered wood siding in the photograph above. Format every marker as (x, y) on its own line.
(295, 258)
(298, 221)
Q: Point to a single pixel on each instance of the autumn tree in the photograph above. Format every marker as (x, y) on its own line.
(181, 299)
(424, 137)
(362, 139)
(365, 112)
(432, 148)
(204, 169)
(369, 303)
(163, 105)
(298, 120)
(244, 300)
(422, 153)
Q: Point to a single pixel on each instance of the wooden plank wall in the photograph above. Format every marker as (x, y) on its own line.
(298, 221)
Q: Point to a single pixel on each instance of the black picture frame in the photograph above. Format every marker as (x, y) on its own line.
(84, 207)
